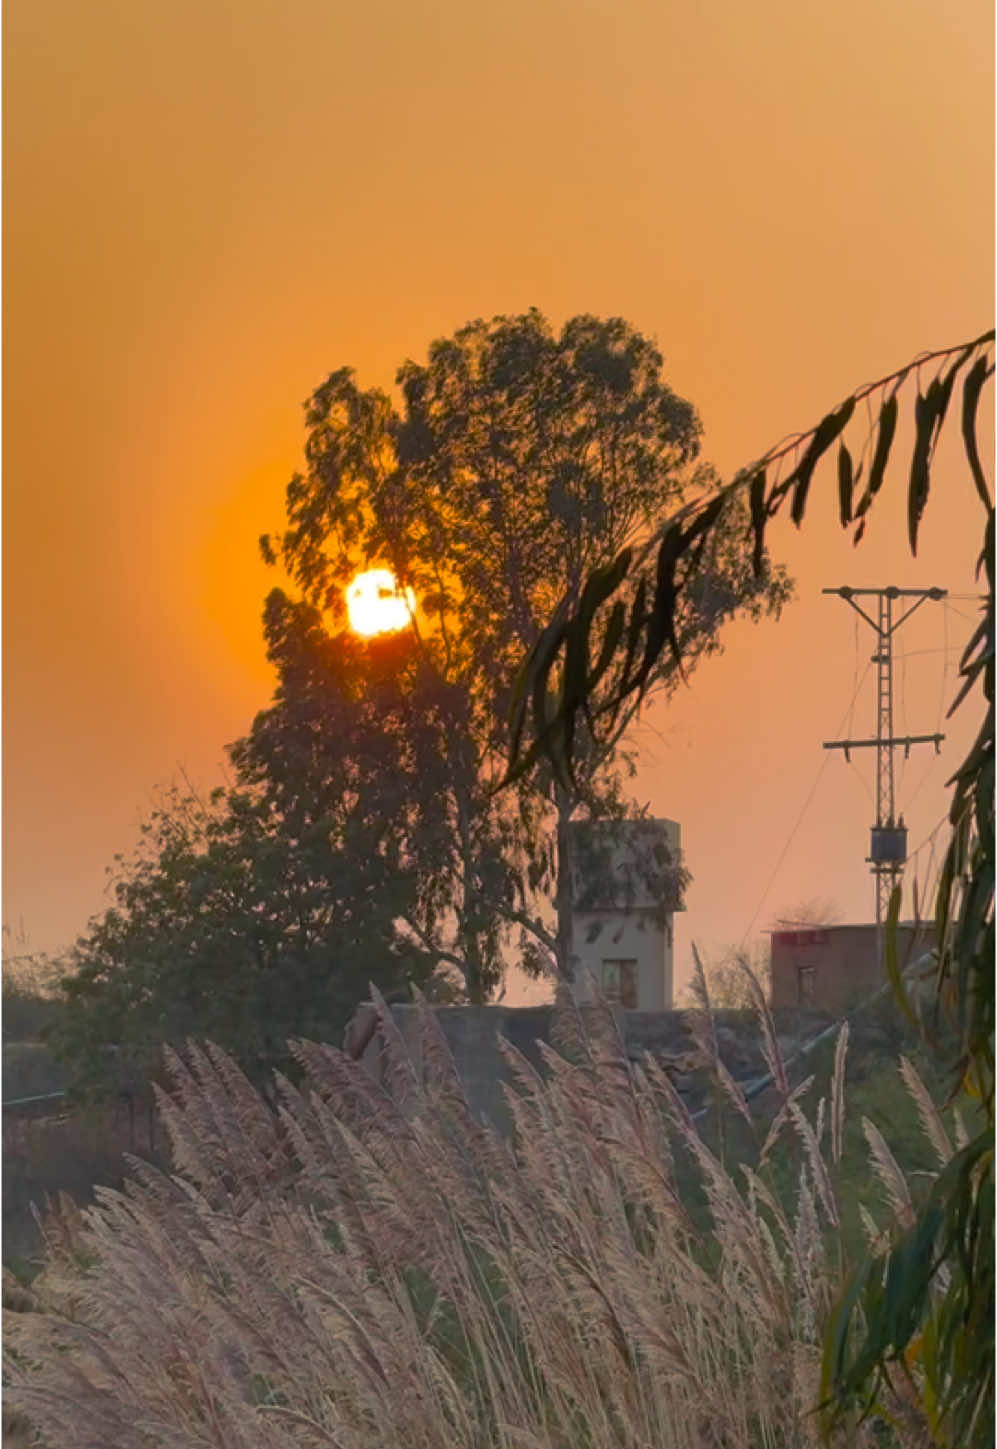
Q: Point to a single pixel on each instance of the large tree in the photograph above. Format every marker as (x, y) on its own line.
(516, 462)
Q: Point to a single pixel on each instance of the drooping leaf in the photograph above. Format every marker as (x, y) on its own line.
(846, 483)
(824, 435)
(610, 643)
(637, 621)
(973, 386)
(929, 413)
(661, 622)
(536, 673)
(887, 427)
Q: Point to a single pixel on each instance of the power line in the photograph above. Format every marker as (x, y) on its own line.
(946, 649)
(855, 676)
(861, 779)
(929, 837)
(932, 763)
(962, 615)
(903, 713)
(929, 882)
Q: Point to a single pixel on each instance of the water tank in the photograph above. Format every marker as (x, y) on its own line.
(888, 844)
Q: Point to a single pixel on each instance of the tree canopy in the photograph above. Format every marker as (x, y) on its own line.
(518, 460)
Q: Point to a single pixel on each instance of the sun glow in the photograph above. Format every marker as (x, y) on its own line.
(376, 605)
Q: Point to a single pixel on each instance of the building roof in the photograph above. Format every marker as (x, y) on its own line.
(791, 926)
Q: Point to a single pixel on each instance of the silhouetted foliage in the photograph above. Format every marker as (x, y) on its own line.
(518, 461)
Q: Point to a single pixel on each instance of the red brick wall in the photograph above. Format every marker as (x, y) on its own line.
(833, 966)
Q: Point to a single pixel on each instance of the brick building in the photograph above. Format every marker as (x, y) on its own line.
(835, 966)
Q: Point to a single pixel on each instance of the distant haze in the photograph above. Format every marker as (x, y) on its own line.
(209, 206)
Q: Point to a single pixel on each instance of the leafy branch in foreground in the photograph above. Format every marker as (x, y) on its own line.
(558, 681)
(927, 1307)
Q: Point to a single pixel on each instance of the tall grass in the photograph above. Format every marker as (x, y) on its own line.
(370, 1266)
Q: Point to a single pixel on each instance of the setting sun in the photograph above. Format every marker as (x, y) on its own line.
(376, 605)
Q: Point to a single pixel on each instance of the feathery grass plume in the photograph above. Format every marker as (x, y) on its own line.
(398, 1072)
(759, 1192)
(735, 1224)
(782, 1116)
(888, 1171)
(654, 1141)
(770, 1046)
(766, 1236)
(702, 1026)
(223, 1135)
(930, 1117)
(60, 1224)
(415, 1282)
(838, 1094)
(342, 1090)
(818, 1169)
(809, 1256)
(586, 1033)
(567, 1030)
(470, 1152)
(959, 1130)
(876, 1237)
(805, 1366)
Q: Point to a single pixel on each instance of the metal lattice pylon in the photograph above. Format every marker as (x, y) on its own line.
(888, 845)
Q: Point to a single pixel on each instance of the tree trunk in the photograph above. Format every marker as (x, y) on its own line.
(563, 894)
(469, 947)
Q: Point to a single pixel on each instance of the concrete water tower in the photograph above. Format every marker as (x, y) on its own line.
(626, 886)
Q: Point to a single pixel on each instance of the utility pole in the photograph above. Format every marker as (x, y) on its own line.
(888, 841)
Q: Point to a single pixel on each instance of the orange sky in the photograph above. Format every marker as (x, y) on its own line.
(212, 203)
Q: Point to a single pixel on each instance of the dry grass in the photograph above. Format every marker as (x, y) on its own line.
(370, 1266)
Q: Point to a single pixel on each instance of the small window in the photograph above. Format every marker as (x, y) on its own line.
(619, 983)
(808, 984)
